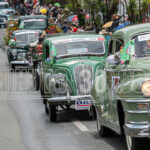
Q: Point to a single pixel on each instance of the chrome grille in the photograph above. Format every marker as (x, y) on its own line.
(83, 75)
(21, 56)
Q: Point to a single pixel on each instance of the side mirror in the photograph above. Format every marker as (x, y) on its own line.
(113, 60)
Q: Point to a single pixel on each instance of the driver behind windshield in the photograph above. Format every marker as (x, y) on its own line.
(147, 47)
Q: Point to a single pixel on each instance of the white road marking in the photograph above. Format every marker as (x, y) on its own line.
(81, 126)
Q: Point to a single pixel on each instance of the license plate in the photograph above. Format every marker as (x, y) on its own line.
(82, 104)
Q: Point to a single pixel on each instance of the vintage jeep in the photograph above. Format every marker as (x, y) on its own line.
(121, 92)
(33, 22)
(18, 52)
(69, 65)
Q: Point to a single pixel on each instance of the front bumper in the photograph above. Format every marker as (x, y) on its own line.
(138, 129)
(137, 120)
(2, 23)
(20, 62)
(68, 99)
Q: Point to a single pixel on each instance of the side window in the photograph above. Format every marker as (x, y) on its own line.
(118, 45)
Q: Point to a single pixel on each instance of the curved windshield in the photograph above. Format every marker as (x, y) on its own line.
(3, 6)
(27, 38)
(142, 45)
(80, 47)
(33, 23)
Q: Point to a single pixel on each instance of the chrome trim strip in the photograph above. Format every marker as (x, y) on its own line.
(139, 122)
(135, 100)
(137, 111)
(19, 62)
(123, 70)
(138, 127)
(71, 98)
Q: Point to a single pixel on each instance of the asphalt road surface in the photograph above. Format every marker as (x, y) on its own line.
(24, 125)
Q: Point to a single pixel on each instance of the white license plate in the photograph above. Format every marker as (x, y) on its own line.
(82, 104)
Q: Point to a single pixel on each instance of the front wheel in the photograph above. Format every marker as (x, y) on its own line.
(12, 67)
(134, 143)
(52, 113)
(102, 130)
(36, 80)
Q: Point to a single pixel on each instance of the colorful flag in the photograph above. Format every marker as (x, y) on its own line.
(53, 54)
(21, 26)
(12, 42)
(127, 52)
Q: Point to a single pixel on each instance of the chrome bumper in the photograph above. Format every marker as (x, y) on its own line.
(141, 129)
(19, 62)
(68, 99)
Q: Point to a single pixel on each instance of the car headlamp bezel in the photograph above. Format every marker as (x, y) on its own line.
(14, 52)
(60, 78)
(145, 88)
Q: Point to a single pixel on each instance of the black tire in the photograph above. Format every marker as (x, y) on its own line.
(36, 80)
(52, 113)
(93, 112)
(46, 109)
(134, 143)
(12, 67)
(102, 130)
(42, 92)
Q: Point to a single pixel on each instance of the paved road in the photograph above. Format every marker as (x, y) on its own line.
(24, 125)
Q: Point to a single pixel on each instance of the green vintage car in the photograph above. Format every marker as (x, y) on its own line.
(69, 65)
(121, 92)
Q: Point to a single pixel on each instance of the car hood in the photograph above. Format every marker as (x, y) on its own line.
(72, 62)
(18, 50)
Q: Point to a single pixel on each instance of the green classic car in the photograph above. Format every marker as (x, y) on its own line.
(121, 92)
(69, 65)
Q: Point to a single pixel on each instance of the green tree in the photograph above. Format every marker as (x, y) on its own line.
(132, 10)
(145, 7)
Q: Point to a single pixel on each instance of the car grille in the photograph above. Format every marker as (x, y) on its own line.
(21, 56)
(83, 75)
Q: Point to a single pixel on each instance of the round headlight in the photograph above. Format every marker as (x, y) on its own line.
(59, 78)
(145, 88)
(14, 52)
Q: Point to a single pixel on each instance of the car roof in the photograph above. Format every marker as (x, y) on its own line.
(3, 3)
(130, 31)
(25, 31)
(32, 17)
(73, 36)
(7, 9)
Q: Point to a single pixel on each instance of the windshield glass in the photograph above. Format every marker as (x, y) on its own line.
(3, 6)
(33, 23)
(142, 45)
(80, 47)
(26, 38)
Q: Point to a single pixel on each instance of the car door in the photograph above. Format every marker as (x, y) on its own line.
(113, 77)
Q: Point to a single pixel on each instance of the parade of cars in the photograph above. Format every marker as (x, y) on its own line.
(104, 74)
